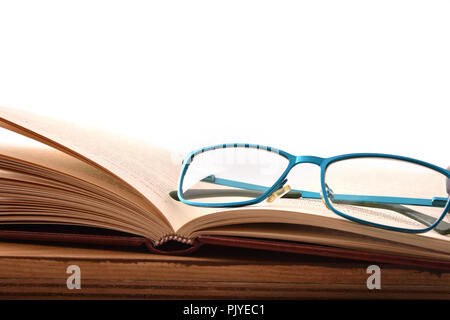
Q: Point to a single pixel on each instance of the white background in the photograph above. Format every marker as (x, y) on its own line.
(314, 77)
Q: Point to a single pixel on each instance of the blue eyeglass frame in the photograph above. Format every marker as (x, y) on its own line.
(323, 163)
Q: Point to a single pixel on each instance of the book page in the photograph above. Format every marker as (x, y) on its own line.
(69, 173)
(322, 236)
(148, 170)
(53, 159)
(303, 212)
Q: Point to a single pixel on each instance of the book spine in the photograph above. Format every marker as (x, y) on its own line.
(173, 237)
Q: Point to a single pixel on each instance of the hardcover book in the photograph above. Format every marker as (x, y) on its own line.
(75, 184)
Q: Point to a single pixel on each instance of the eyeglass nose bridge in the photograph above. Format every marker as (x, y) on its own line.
(308, 159)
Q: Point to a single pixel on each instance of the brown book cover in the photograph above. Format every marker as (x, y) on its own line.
(106, 239)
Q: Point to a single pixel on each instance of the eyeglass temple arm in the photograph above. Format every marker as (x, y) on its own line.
(391, 203)
(434, 202)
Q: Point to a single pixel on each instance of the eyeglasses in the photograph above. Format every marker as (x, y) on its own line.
(380, 190)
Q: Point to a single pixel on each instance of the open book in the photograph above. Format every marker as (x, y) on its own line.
(77, 184)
